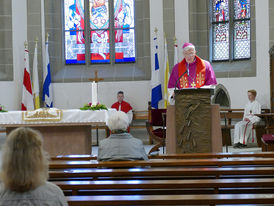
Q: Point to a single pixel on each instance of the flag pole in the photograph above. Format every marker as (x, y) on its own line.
(47, 37)
(156, 30)
(47, 86)
(175, 40)
(175, 45)
(36, 41)
(27, 95)
(43, 33)
(26, 44)
(156, 88)
(35, 77)
(166, 74)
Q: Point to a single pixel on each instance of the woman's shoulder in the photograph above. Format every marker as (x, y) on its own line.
(50, 191)
(48, 186)
(46, 194)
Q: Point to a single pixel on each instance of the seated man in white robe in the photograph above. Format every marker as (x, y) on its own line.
(244, 129)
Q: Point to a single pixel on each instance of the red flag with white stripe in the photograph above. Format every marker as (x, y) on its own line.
(27, 97)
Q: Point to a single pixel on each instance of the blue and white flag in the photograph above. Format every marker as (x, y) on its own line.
(156, 93)
(47, 86)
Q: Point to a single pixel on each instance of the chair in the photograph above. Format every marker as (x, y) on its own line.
(156, 118)
(268, 139)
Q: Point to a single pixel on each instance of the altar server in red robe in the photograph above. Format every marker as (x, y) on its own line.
(123, 106)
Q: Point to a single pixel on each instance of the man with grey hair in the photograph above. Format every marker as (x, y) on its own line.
(191, 72)
(120, 145)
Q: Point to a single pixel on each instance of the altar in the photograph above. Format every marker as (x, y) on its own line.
(64, 131)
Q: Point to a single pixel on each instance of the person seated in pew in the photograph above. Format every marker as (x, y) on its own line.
(120, 145)
(244, 129)
(25, 171)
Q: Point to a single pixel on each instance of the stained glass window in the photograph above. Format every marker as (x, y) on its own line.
(107, 41)
(124, 30)
(241, 9)
(99, 25)
(220, 11)
(241, 29)
(74, 31)
(99, 46)
(220, 30)
(230, 34)
(221, 41)
(241, 39)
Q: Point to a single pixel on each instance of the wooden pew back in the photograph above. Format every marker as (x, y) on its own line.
(177, 156)
(171, 199)
(161, 163)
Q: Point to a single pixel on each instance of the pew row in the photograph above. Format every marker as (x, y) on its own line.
(108, 187)
(171, 199)
(177, 156)
(161, 163)
(162, 173)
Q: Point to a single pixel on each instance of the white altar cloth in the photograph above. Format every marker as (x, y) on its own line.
(68, 116)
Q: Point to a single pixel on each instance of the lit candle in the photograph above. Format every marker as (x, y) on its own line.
(94, 93)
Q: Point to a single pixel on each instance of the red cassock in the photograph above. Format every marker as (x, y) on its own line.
(125, 107)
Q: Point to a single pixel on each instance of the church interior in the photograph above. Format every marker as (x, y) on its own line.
(195, 79)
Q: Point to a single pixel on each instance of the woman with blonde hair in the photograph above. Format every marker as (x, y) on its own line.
(25, 171)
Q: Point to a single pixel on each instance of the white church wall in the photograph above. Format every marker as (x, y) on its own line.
(237, 87)
(10, 91)
(181, 25)
(73, 95)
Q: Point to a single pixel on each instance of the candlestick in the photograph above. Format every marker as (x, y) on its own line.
(94, 93)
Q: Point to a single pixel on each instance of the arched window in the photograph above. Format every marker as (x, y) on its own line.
(230, 30)
(99, 31)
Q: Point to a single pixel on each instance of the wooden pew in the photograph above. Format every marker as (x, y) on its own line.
(190, 176)
(139, 116)
(169, 186)
(214, 155)
(161, 163)
(161, 173)
(171, 199)
(186, 168)
(177, 156)
(74, 157)
(228, 115)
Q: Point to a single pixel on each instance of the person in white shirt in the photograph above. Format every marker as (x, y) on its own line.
(244, 129)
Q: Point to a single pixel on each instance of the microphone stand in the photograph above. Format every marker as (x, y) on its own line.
(179, 79)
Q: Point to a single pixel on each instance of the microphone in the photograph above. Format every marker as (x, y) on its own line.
(179, 79)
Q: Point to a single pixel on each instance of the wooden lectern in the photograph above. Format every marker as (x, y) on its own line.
(193, 124)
